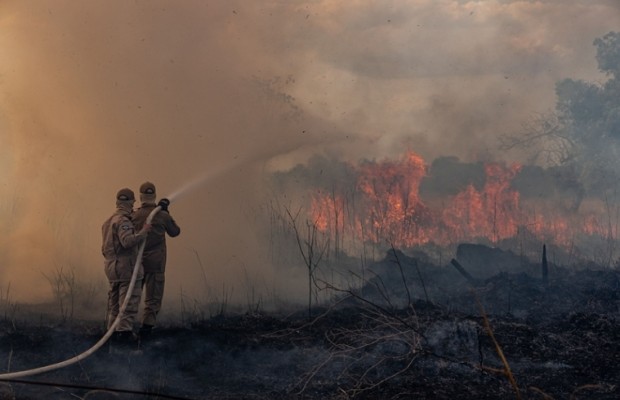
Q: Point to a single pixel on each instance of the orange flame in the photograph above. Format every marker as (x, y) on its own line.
(390, 209)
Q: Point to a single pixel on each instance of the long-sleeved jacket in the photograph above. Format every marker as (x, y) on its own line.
(154, 258)
(120, 246)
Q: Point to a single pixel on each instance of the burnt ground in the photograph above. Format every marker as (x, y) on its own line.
(435, 337)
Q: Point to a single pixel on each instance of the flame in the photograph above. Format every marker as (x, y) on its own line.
(388, 208)
(492, 213)
(393, 209)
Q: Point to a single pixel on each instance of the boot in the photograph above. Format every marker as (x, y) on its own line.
(124, 339)
(116, 342)
(123, 342)
(144, 332)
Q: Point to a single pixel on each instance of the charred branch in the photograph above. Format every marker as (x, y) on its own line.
(545, 267)
(463, 272)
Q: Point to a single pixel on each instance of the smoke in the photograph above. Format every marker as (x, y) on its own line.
(97, 97)
(101, 95)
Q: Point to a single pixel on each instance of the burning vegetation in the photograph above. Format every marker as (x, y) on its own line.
(407, 203)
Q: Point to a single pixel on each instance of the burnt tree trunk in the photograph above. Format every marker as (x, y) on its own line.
(463, 272)
(545, 267)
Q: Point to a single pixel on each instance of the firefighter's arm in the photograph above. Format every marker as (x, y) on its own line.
(128, 237)
(172, 229)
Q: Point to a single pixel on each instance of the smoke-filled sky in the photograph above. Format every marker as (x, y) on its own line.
(99, 95)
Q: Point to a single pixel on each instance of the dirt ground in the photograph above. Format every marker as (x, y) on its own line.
(436, 337)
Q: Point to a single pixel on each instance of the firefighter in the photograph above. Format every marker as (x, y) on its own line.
(120, 250)
(154, 257)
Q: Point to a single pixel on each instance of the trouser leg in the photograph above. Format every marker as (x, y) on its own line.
(113, 304)
(131, 311)
(153, 295)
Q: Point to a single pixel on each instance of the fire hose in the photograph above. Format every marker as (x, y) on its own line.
(108, 334)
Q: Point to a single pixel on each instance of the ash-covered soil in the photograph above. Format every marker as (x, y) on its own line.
(414, 331)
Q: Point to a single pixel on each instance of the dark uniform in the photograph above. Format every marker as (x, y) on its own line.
(120, 249)
(154, 258)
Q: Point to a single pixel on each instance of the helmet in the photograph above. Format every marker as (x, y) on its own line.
(147, 188)
(125, 194)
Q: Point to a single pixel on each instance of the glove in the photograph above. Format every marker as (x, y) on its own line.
(164, 203)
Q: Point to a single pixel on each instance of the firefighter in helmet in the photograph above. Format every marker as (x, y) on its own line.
(120, 248)
(154, 257)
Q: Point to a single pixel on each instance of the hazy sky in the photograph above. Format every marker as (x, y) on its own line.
(98, 95)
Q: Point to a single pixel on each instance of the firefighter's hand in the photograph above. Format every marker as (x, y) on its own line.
(163, 204)
(145, 229)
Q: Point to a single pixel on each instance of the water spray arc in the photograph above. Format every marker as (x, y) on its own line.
(106, 336)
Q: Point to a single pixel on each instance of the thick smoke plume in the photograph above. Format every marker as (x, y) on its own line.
(99, 95)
